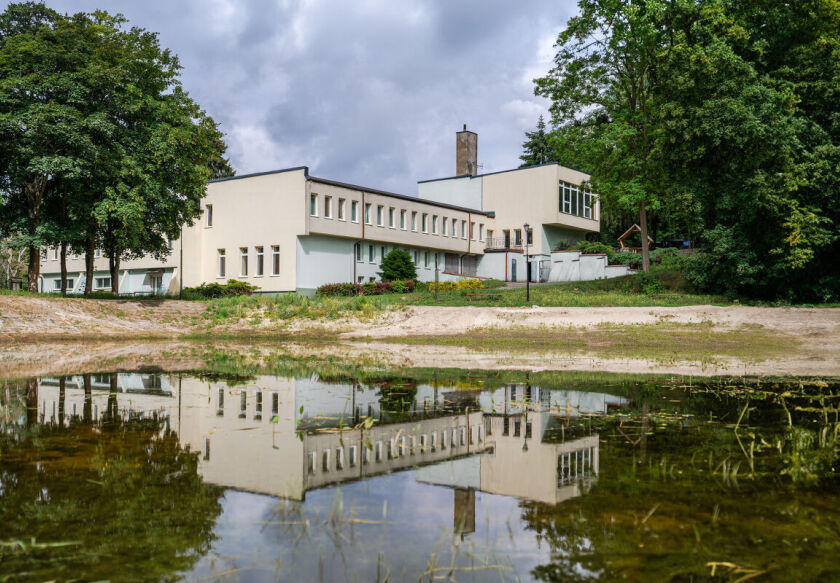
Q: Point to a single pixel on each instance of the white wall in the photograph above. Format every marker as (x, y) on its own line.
(323, 260)
(464, 191)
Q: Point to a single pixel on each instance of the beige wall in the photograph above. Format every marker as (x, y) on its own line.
(531, 195)
(249, 212)
(396, 235)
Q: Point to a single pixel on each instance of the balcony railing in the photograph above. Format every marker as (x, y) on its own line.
(502, 243)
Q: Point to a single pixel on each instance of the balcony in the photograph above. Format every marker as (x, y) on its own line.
(502, 244)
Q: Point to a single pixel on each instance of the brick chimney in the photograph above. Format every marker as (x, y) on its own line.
(466, 152)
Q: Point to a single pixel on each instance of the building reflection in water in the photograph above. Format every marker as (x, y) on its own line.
(284, 436)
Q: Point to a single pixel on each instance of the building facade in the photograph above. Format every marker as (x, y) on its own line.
(288, 231)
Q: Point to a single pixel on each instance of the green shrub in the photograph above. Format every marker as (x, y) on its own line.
(633, 260)
(232, 288)
(398, 265)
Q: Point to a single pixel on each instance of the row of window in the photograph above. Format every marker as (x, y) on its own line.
(405, 445)
(98, 283)
(576, 201)
(243, 404)
(427, 257)
(245, 261)
(433, 224)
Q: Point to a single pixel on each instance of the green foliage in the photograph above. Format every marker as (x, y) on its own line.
(719, 117)
(232, 288)
(398, 265)
(100, 142)
(537, 149)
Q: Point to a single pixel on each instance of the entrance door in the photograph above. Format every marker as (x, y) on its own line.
(156, 282)
(513, 270)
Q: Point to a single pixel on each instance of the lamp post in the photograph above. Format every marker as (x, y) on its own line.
(527, 265)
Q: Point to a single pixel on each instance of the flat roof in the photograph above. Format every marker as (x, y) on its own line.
(357, 187)
(403, 197)
(225, 179)
(502, 172)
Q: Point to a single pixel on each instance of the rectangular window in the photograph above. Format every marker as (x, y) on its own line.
(310, 462)
(434, 224)
(529, 237)
(208, 215)
(341, 203)
(327, 207)
(517, 237)
(426, 259)
(354, 211)
(378, 451)
(260, 260)
(402, 219)
(313, 205)
(221, 262)
(243, 403)
(55, 253)
(384, 250)
(258, 406)
(325, 461)
(416, 257)
(480, 231)
(358, 251)
(57, 284)
(243, 254)
(472, 231)
(339, 458)
(463, 229)
(380, 211)
(443, 224)
(367, 213)
(275, 260)
(96, 253)
(102, 282)
(353, 455)
(371, 256)
(454, 227)
(275, 403)
(424, 226)
(414, 220)
(391, 211)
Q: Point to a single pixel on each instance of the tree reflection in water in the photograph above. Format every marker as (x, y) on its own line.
(122, 491)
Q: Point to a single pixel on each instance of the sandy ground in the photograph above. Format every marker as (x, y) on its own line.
(51, 336)
(433, 320)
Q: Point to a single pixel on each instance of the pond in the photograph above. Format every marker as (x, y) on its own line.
(202, 476)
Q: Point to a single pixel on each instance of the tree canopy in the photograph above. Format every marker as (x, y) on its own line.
(99, 142)
(719, 117)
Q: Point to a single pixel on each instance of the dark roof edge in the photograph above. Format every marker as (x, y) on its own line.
(402, 196)
(503, 171)
(304, 168)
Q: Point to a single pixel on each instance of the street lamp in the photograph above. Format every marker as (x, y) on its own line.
(527, 265)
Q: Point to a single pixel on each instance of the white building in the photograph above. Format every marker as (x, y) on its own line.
(287, 231)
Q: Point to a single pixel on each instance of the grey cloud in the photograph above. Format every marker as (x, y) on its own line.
(369, 92)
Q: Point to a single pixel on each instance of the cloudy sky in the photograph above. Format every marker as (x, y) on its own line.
(366, 91)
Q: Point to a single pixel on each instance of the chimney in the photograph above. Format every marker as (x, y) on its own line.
(466, 152)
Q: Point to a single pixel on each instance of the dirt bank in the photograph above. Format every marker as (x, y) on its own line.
(56, 335)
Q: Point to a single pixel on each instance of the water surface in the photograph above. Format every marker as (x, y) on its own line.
(207, 477)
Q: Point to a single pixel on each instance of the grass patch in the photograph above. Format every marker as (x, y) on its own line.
(664, 341)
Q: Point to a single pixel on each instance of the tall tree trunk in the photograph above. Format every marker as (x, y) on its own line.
(111, 415)
(91, 248)
(34, 192)
(34, 270)
(63, 268)
(644, 233)
(62, 385)
(87, 408)
(31, 401)
(114, 265)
